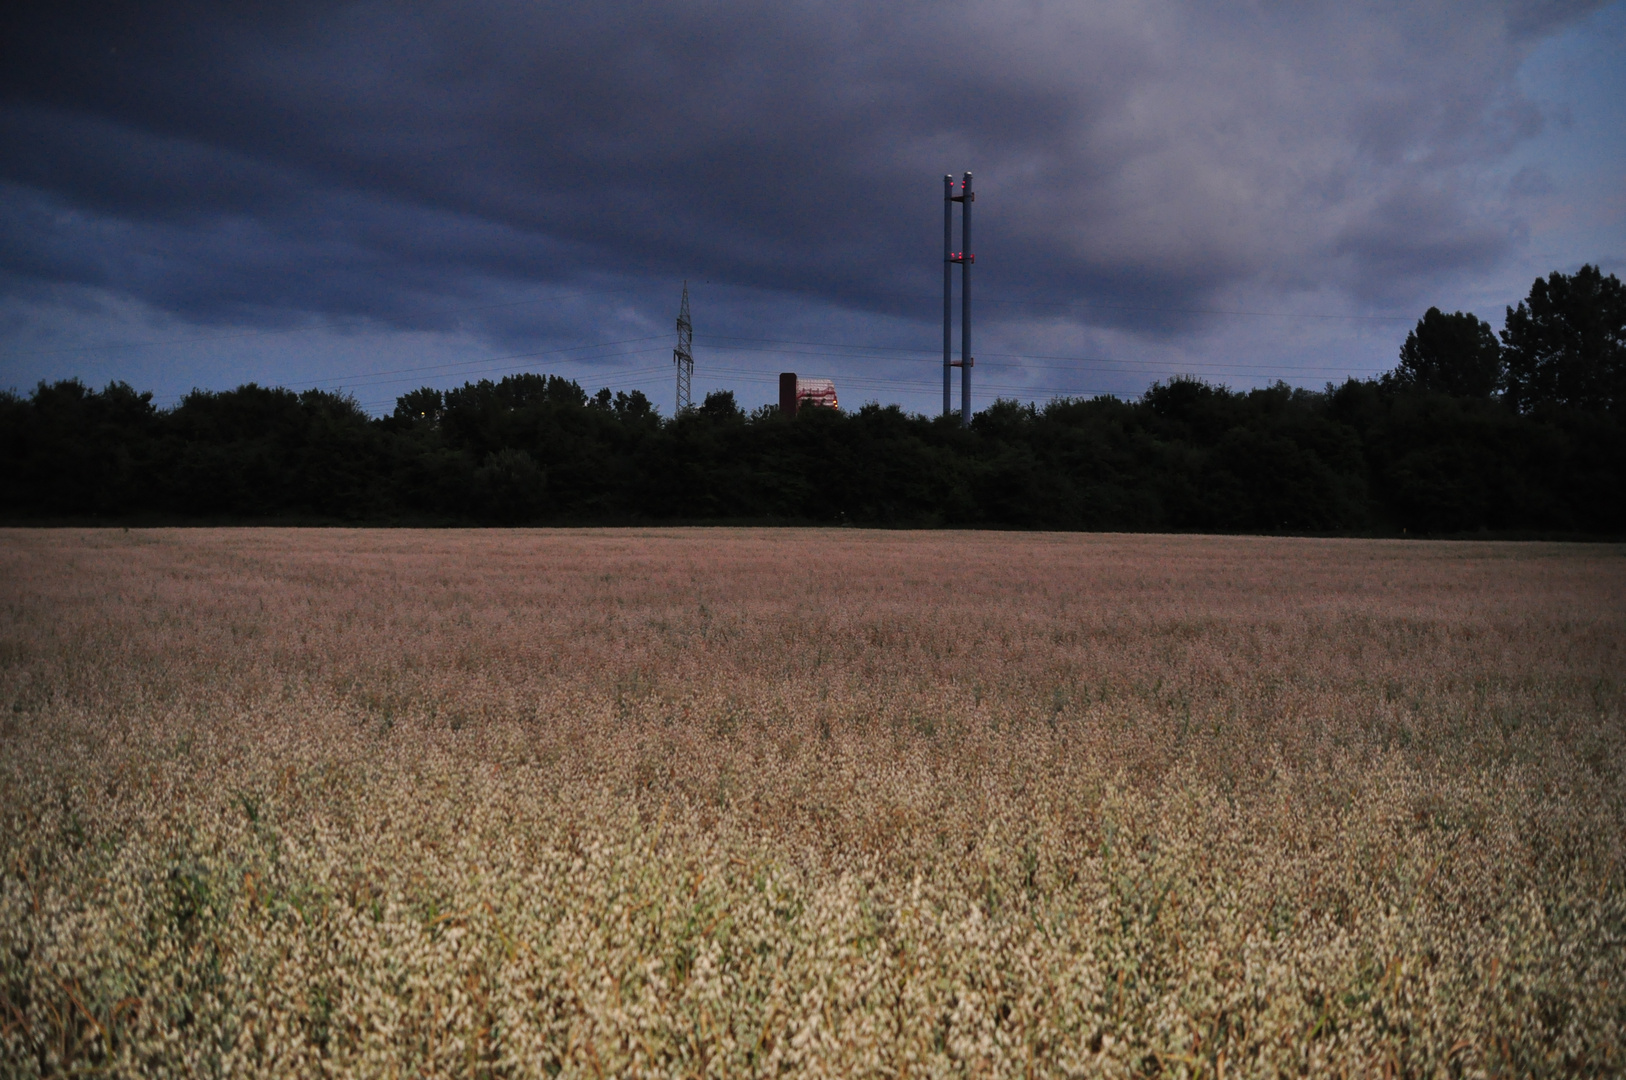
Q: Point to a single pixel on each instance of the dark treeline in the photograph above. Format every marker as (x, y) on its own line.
(1521, 431)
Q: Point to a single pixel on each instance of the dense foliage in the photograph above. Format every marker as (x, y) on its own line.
(1466, 433)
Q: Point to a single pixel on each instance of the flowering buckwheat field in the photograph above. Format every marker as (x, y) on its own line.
(531, 803)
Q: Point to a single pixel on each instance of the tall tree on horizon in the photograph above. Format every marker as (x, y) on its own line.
(1454, 354)
(1566, 343)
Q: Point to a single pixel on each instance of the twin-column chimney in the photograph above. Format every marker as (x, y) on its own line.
(965, 258)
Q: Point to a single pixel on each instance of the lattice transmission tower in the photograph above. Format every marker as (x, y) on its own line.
(683, 355)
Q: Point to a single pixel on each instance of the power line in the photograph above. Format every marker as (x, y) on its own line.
(512, 356)
(1122, 365)
(474, 365)
(919, 385)
(832, 344)
(358, 319)
(621, 375)
(1199, 311)
(801, 347)
(350, 320)
(632, 377)
(1150, 309)
(346, 383)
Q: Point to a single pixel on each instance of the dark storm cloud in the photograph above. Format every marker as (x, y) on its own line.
(254, 162)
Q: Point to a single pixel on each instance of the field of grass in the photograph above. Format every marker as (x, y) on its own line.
(827, 803)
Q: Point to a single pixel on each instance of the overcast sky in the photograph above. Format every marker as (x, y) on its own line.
(373, 197)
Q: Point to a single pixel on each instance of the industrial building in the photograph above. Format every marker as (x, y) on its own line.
(795, 392)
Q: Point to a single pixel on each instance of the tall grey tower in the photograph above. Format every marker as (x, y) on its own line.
(683, 355)
(965, 258)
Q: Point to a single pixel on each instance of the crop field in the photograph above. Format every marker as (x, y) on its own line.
(813, 803)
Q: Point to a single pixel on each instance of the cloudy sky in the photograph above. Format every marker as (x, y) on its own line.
(372, 197)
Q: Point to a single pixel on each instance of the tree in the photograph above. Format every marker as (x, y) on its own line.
(1566, 344)
(510, 487)
(635, 408)
(720, 406)
(1454, 354)
(421, 406)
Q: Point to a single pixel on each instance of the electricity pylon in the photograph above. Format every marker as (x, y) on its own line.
(683, 355)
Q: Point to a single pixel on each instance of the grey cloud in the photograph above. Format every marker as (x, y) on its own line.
(241, 161)
(1411, 227)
